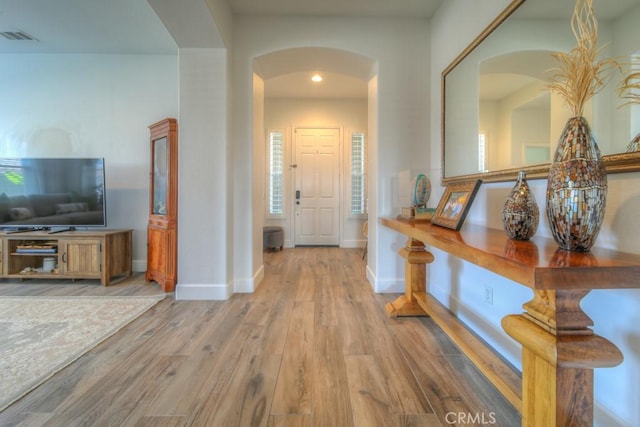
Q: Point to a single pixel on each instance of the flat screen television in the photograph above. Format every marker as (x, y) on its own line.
(42, 193)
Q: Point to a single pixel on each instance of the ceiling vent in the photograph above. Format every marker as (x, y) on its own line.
(17, 35)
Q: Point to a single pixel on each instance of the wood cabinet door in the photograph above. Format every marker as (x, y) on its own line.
(161, 255)
(82, 258)
(156, 254)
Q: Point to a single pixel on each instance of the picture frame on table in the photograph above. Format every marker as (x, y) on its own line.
(455, 203)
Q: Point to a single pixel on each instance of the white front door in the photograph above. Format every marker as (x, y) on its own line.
(317, 186)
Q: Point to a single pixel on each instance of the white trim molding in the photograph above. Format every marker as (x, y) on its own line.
(203, 291)
(386, 286)
(247, 286)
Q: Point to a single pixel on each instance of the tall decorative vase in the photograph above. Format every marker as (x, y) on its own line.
(577, 188)
(520, 214)
(634, 145)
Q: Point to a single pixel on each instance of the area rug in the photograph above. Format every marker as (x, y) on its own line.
(41, 335)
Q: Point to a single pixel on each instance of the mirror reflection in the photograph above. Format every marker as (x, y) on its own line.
(498, 115)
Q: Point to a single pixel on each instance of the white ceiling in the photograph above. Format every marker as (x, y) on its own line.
(84, 26)
(348, 75)
(362, 8)
(287, 73)
(132, 26)
(299, 85)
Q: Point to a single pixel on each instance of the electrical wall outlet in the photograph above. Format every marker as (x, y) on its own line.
(488, 294)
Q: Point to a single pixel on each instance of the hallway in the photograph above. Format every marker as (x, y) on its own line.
(311, 347)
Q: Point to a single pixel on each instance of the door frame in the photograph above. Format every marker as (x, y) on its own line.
(293, 177)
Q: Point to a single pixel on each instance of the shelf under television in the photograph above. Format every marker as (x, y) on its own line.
(104, 254)
(45, 254)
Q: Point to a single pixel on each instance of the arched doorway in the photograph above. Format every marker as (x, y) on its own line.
(290, 108)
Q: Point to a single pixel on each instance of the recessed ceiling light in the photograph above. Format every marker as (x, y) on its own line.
(316, 78)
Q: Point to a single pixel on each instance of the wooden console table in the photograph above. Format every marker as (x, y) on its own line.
(559, 349)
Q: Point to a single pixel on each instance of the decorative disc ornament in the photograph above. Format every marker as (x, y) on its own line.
(421, 187)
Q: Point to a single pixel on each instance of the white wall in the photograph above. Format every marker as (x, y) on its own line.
(204, 236)
(93, 106)
(372, 178)
(459, 285)
(202, 32)
(401, 49)
(258, 184)
(350, 115)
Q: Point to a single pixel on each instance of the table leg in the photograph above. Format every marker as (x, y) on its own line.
(415, 278)
(559, 353)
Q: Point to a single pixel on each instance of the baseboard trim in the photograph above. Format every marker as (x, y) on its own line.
(603, 417)
(371, 277)
(139, 266)
(247, 286)
(390, 286)
(387, 286)
(353, 243)
(201, 291)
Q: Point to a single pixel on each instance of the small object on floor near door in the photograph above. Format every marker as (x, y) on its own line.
(365, 232)
(273, 238)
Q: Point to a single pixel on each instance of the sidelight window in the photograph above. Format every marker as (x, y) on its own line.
(358, 174)
(275, 166)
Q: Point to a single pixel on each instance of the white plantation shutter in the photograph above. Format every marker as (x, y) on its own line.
(275, 156)
(482, 152)
(358, 174)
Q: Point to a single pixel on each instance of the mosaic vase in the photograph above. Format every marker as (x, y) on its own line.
(634, 145)
(577, 188)
(520, 214)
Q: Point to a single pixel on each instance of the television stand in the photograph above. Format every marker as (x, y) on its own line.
(81, 254)
(62, 230)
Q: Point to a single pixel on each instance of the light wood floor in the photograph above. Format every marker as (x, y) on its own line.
(311, 347)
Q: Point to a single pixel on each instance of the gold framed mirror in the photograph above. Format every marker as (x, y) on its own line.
(497, 116)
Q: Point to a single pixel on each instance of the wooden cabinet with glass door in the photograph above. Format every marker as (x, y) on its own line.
(162, 229)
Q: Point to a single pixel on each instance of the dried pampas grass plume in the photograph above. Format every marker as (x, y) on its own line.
(629, 88)
(580, 75)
